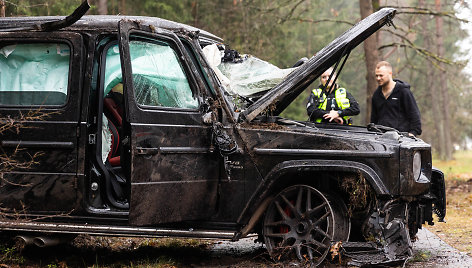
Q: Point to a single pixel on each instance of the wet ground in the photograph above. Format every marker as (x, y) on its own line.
(87, 251)
(438, 253)
(428, 251)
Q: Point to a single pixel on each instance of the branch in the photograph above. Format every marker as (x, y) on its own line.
(425, 11)
(428, 55)
(290, 13)
(14, 124)
(322, 20)
(26, 6)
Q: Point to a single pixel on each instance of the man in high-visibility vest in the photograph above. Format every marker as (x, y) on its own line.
(337, 105)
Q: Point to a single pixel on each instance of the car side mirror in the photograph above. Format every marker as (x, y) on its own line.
(222, 140)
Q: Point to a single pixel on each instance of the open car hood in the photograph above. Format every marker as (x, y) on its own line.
(279, 97)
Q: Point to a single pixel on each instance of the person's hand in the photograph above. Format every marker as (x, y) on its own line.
(338, 120)
(333, 116)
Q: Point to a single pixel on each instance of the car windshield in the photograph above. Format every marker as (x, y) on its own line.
(244, 77)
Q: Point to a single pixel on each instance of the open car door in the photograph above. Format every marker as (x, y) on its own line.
(173, 171)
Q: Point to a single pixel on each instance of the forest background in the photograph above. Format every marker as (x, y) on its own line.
(428, 47)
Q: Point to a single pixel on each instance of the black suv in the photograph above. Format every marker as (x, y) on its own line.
(139, 137)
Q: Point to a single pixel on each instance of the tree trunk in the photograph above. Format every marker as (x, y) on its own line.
(2, 8)
(123, 7)
(437, 135)
(371, 58)
(195, 13)
(102, 7)
(443, 85)
(375, 8)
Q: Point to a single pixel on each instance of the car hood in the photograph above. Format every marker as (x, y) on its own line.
(279, 97)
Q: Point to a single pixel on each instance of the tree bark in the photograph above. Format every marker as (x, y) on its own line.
(195, 13)
(102, 7)
(443, 85)
(375, 8)
(2, 8)
(371, 58)
(123, 7)
(436, 135)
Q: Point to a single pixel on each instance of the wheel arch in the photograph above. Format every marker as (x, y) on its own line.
(279, 178)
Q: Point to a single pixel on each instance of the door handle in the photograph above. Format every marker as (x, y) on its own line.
(147, 151)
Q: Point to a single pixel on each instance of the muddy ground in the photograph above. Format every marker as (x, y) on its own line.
(86, 251)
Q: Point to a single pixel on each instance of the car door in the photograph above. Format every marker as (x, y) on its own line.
(174, 170)
(40, 90)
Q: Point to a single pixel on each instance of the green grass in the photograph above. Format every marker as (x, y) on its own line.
(458, 168)
(457, 231)
(421, 256)
(9, 254)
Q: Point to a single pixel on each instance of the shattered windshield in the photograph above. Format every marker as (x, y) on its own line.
(244, 77)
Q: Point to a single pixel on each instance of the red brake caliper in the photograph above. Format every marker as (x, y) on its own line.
(284, 229)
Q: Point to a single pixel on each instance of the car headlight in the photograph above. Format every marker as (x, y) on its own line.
(417, 166)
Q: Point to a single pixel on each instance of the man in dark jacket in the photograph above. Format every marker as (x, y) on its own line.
(393, 104)
(329, 102)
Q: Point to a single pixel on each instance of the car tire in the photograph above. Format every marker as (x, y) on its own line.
(302, 222)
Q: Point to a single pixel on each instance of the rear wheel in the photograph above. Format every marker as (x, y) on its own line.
(301, 221)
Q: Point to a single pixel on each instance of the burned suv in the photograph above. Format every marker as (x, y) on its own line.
(139, 136)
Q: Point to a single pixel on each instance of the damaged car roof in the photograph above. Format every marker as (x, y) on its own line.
(285, 92)
(105, 22)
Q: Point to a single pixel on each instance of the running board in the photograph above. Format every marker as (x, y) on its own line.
(107, 230)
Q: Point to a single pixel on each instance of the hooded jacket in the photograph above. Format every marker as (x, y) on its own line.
(399, 110)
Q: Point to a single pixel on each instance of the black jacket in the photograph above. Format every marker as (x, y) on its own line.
(399, 110)
(314, 112)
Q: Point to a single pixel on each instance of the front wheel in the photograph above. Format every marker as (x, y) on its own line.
(302, 221)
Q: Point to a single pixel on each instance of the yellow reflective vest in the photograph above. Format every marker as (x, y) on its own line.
(340, 94)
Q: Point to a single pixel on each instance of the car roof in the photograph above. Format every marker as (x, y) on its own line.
(101, 23)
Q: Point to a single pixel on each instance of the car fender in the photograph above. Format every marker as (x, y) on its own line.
(260, 199)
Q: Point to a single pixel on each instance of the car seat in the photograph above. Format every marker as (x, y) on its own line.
(113, 155)
(113, 111)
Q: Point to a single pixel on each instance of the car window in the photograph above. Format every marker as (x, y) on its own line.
(158, 76)
(34, 74)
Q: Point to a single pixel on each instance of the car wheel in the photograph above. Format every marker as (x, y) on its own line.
(301, 221)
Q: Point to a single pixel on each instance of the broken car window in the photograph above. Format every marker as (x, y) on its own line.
(34, 74)
(158, 77)
(243, 76)
(252, 75)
